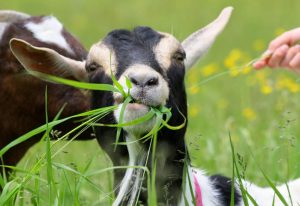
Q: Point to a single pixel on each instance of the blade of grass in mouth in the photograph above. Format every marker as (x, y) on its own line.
(73, 83)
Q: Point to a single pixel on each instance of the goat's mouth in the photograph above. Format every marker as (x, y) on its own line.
(134, 104)
(133, 110)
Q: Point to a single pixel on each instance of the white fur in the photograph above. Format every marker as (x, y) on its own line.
(209, 194)
(49, 30)
(2, 29)
(262, 196)
(124, 186)
(12, 16)
(104, 56)
(137, 156)
(198, 43)
(165, 49)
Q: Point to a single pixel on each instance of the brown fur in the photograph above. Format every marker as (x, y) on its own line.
(22, 100)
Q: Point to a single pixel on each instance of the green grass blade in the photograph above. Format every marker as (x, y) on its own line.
(125, 103)
(50, 178)
(289, 192)
(142, 119)
(189, 184)
(233, 175)
(43, 128)
(118, 85)
(73, 83)
(174, 127)
(152, 198)
(242, 189)
(271, 184)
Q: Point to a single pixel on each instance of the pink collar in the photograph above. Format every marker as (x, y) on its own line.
(198, 192)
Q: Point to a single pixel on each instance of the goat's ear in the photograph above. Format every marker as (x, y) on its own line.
(198, 43)
(12, 16)
(47, 61)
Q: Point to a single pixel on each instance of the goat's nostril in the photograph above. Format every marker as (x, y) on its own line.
(152, 82)
(142, 80)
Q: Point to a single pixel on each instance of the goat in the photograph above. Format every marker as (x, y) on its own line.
(22, 104)
(155, 63)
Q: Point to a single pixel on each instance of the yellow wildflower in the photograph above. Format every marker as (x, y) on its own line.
(237, 62)
(266, 89)
(289, 84)
(294, 88)
(249, 113)
(232, 58)
(209, 69)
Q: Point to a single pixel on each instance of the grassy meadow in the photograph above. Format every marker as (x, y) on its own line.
(258, 109)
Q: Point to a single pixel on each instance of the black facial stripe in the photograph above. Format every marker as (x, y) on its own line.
(134, 47)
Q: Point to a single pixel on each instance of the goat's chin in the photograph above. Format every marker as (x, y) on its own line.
(132, 112)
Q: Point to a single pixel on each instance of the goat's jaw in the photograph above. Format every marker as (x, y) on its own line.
(132, 112)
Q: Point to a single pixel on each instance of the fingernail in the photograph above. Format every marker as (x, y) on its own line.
(257, 65)
(266, 54)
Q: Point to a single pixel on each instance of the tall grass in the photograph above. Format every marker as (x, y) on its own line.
(15, 188)
(55, 187)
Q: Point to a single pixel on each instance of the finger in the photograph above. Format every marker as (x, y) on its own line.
(262, 61)
(285, 38)
(278, 56)
(295, 62)
(292, 52)
(260, 64)
(289, 38)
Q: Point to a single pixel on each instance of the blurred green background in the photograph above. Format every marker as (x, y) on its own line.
(260, 109)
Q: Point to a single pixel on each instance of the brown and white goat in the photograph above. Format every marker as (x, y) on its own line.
(22, 97)
(155, 63)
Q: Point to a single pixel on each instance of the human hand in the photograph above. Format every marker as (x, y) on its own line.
(283, 51)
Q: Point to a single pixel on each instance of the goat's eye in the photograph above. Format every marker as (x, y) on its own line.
(179, 56)
(92, 67)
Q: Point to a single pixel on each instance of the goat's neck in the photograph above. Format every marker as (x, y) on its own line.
(133, 178)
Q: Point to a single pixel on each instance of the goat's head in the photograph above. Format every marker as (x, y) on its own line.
(154, 62)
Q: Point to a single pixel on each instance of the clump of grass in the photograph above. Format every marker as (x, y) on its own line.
(14, 188)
